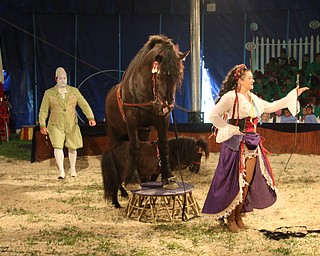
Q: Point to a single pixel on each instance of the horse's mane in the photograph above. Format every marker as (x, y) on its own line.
(186, 144)
(170, 67)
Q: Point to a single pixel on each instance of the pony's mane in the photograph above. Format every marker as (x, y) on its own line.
(169, 65)
(187, 147)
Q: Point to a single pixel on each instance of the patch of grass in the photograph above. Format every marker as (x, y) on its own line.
(174, 246)
(35, 219)
(16, 149)
(139, 252)
(105, 245)
(307, 180)
(281, 251)
(73, 236)
(76, 200)
(197, 233)
(92, 188)
(67, 235)
(17, 211)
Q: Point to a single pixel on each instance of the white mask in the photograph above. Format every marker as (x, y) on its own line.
(61, 81)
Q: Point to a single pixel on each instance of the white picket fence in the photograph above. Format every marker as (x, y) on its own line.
(266, 48)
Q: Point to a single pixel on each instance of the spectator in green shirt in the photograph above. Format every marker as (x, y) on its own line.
(315, 72)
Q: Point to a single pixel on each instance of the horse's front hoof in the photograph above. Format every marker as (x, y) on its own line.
(131, 186)
(170, 183)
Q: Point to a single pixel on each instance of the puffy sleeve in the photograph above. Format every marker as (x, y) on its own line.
(225, 130)
(290, 102)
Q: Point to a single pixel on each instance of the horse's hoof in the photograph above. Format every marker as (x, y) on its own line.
(117, 206)
(170, 183)
(133, 186)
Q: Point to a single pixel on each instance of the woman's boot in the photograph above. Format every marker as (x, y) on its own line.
(239, 221)
(232, 225)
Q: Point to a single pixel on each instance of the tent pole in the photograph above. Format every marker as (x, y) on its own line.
(245, 38)
(160, 23)
(119, 47)
(195, 54)
(75, 49)
(35, 104)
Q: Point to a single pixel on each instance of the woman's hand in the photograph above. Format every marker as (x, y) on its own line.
(301, 90)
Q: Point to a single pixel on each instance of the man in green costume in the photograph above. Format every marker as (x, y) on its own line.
(63, 128)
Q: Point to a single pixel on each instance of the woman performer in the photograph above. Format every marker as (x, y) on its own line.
(243, 179)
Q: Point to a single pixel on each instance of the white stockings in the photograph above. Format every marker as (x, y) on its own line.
(59, 156)
(72, 153)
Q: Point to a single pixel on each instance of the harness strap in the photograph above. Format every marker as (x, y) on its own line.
(154, 72)
(199, 151)
(120, 104)
(156, 98)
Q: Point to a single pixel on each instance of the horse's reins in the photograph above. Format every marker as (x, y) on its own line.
(156, 98)
(179, 167)
(295, 131)
(199, 151)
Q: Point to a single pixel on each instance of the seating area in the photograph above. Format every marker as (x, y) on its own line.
(283, 73)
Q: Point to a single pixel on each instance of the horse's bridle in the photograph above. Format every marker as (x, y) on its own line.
(195, 163)
(166, 108)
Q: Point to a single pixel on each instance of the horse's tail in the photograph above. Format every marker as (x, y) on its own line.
(109, 174)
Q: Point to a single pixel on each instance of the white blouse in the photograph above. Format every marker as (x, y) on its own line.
(247, 109)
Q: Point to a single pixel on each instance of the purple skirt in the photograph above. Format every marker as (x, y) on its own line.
(225, 194)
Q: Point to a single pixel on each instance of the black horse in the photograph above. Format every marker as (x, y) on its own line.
(143, 100)
(115, 162)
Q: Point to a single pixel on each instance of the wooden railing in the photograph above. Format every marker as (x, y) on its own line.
(279, 139)
(266, 48)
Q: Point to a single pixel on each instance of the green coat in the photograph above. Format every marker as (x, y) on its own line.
(63, 118)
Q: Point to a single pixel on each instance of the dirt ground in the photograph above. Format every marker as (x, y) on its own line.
(41, 215)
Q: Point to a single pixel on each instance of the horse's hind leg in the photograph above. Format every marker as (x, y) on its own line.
(115, 201)
(133, 180)
(124, 193)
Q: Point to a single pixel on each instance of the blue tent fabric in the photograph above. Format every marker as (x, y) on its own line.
(101, 37)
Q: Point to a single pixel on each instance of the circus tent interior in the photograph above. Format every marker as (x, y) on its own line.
(95, 41)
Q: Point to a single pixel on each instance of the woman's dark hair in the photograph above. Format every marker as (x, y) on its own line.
(231, 80)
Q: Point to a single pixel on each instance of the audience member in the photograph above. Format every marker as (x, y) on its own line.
(310, 118)
(315, 72)
(282, 59)
(265, 117)
(258, 86)
(272, 65)
(302, 114)
(287, 117)
(283, 91)
(315, 103)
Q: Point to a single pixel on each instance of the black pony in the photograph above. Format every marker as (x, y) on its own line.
(115, 162)
(143, 100)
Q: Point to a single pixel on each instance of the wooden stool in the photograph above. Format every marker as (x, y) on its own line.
(153, 203)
